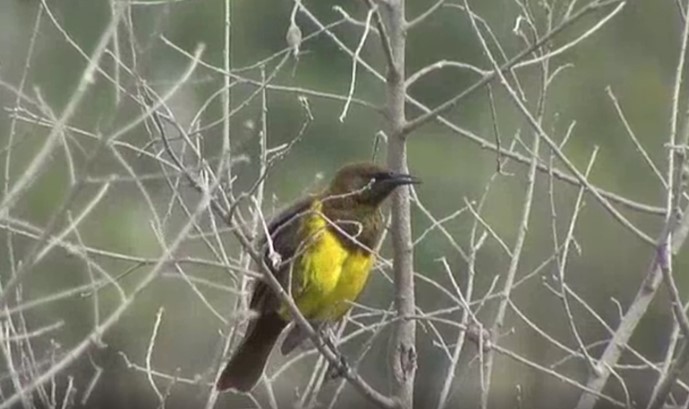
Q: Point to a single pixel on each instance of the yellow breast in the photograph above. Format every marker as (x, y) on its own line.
(328, 276)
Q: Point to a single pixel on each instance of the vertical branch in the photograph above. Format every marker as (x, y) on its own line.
(403, 352)
(226, 157)
(118, 56)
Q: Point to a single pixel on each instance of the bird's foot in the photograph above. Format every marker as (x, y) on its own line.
(328, 337)
(339, 370)
(330, 340)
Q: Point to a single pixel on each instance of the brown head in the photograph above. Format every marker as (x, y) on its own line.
(353, 199)
(365, 185)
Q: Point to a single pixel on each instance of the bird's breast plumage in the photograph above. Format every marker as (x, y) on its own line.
(328, 274)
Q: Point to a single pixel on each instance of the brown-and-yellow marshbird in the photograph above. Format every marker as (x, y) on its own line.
(325, 244)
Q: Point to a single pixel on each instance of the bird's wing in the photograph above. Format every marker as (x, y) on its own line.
(285, 235)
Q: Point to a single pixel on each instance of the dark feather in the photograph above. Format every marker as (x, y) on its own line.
(285, 236)
(247, 364)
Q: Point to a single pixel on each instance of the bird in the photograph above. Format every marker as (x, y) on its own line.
(320, 249)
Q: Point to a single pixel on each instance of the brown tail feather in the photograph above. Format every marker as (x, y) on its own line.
(245, 367)
(294, 338)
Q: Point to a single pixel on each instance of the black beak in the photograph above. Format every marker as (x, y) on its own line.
(399, 179)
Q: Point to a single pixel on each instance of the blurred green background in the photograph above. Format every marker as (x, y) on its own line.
(635, 55)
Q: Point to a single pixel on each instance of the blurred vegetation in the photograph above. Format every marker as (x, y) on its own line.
(635, 55)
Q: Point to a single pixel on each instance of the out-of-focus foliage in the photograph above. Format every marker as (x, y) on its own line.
(634, 55)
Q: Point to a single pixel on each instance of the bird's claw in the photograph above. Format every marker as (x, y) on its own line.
(339, 370)
(329, 338)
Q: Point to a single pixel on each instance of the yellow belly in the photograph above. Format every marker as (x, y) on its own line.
(328, 276)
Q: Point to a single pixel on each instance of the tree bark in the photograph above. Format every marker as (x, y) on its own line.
(403, 347)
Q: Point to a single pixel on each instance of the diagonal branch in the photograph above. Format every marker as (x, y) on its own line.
(327, 351)
(451, 103)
